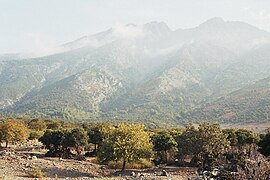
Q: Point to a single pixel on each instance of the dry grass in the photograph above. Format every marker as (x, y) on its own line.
(140, 164)
(35, 173)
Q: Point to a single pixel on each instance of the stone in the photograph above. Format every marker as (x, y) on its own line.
(215, 172)
(132, 174)
(27, 165)
(164, 173)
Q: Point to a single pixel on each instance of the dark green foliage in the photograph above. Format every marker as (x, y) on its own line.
(76, 138)
(231, 136)
(245, 137)
(59, 141)
(241, 137)
(55, 142)
(94, 136)
(163, 141)
(188, 141)
(207, 143)
(264, 145)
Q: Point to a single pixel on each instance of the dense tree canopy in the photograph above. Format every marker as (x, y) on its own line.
(163, 142)
(264, 145)
(37, 124)
(241, 137)
(13, 131)
(76, 138)
(127, 142)
(55, 141)
(206, 142)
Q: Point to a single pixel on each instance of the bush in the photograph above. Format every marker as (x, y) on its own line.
(35, 134)
(90, 154)
(140, 164)
(36, 173)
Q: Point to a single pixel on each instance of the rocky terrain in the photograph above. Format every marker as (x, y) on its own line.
(15, 163)
(18, 161)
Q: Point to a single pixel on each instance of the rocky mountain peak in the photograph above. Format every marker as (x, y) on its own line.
(157, 27)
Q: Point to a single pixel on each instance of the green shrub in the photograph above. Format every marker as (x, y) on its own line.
(35, 134)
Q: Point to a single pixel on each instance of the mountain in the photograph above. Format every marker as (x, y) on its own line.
(146, 73)
(248, 104)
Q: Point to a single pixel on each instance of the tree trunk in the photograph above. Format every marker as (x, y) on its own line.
(124, 165)
(79, 151)
(95, 150)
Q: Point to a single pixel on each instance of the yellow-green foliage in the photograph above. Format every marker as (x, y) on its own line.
(139, 164)
(35, 173)
(13, 131)
(127, 143)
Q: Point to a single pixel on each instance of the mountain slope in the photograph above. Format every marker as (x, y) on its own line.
(144, 73)
(249, 104)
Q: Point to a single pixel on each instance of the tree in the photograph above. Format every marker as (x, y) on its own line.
(37, 125)
(127, 142)
(13, 131)
(37, 128)
(55, 142)
(214, 141)
(60, 141)
(163, 142)
(246, 137)
(53, 124)
(77, 139)
(94, 134)
(97, 132)
(188, 142)
(207, 142)
(231, 136)
(243, 145)
(264, 145)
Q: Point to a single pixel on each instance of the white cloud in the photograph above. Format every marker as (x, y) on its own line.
(259, 17)
(263, 19)
(127, 31)
(41, 45)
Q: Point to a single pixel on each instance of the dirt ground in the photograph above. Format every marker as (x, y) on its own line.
(16, 162)
(256, 127)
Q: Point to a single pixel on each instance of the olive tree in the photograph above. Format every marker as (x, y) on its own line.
(127, 142)
(13, 131)
(76, 138)
(164, 142)
(264, 145)
(207, 142)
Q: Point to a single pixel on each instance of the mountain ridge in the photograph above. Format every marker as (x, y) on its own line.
(139, 72)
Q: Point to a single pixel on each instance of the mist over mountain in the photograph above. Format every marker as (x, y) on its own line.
(147, 73)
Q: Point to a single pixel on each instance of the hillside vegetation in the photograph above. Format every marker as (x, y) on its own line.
(216, 71)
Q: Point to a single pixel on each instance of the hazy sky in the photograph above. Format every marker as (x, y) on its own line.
(30, 25)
